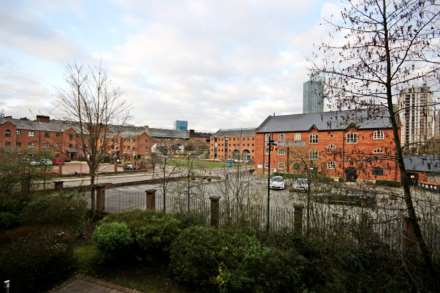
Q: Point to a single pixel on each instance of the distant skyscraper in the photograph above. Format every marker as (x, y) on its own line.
(181, 125)
(416, 113)
(313, 96)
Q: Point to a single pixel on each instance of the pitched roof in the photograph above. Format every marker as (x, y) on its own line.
(335, 120)
(168, 133)
(423, 163)
(53, 125)
(235, 132)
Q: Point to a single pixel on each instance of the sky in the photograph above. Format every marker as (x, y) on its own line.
(216, 63)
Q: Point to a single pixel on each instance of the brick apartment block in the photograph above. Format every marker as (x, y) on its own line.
(62, 138)
(344, 144)
(238, 144)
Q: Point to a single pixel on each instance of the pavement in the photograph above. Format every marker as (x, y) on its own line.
(80, 284)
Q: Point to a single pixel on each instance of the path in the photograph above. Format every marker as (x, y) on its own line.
(80, 284)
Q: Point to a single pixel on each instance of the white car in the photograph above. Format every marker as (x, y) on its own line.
(277, 182)
(300, 184)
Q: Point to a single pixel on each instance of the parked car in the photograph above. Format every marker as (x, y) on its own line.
(41, 162)
(277, 182)
(129, 167)
(300, 184)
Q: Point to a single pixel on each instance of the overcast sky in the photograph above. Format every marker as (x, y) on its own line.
(215, 63)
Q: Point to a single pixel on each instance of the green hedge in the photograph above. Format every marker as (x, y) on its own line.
(35, 258)
(151, 233)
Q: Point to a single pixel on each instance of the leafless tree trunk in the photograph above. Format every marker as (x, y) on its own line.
(91, 105)
(378, 48)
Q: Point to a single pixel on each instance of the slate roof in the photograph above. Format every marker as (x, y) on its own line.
(335, 120)
(168, 133)
(235, 132)
(53, 125)
(423, 163)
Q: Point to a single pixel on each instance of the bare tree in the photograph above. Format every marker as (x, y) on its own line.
(377, 48)
(92, 104)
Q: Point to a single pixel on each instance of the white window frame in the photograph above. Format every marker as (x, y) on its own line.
(17, 132)
(31, 133)
(331, 147)
(331, 165)
(281, 152)
(281, 165)
(314, 138)
(281, 137)
(378, 135)
(351, 138)
(313, 155)
(297, 136)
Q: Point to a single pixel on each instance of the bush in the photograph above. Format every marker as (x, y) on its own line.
(152, 232)
(67, 210)
(388, 183)
(8, 220)
(36, 261)
(113, 240)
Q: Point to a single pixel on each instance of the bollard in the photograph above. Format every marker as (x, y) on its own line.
(150, 198)
(215, 210)
(100, 197)
(298, 218)
(7, 285)
(59, 185)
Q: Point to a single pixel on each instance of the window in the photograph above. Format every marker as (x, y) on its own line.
(331, 165)
(46, 134)
(378, 151)
(314, 155)
(266, 164)
(266, 137)
(378, 134)
(313, 138)
(281, 137)
(377, 171)
(8, 133)
(18, 132)
(71, 136)
(31, 133)
(57, 134)
(331, 147)
(297, 137)
(281, 152)
(281, 165)
(351, 137)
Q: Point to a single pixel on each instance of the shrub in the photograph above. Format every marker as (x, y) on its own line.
(113, 240)
(152, 232)
(36, 261)
(68, 210)
(8, 220)
(194, 256)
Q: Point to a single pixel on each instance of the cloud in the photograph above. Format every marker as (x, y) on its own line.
(217, 64)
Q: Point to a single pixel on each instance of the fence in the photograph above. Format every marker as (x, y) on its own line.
(325, 221)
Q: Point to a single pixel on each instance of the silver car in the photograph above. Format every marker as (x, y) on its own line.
(300, 184)
(277, 182)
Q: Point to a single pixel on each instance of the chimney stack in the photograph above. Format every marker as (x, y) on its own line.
(43, 118)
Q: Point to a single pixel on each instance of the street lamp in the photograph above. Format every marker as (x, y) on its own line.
(270, 143)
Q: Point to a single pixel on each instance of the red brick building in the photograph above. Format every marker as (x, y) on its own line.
(237, 144)
(62, 140)
(344, 144)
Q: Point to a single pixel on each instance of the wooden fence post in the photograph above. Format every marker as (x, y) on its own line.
(59, 185)
(150, 199)
(298, 218)
(100, 197)
(215, 210)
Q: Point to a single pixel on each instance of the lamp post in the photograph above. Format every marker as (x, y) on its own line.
(270, 143)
